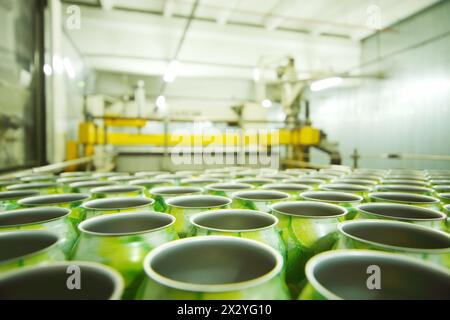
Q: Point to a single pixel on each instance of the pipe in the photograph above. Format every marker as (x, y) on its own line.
(183, 37)
(57, 166)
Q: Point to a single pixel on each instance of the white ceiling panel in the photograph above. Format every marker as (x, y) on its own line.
(150, 5)
(230, 37)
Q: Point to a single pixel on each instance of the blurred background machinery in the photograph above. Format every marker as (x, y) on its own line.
(108, 124)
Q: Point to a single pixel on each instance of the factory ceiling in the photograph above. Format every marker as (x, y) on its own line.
(229, 39)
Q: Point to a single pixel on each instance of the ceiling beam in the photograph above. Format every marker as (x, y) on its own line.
(107, 5)
(222, 19)
(337, 11)
(273, 23)
(168, 8)
(176, 16)
(274, 17)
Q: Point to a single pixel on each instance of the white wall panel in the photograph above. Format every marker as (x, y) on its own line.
(409, 111)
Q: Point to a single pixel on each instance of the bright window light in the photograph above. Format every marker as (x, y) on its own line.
(172, 71)
(58, 65)
(69, 68)
(325, 83)
(266, 103)
(48, 70)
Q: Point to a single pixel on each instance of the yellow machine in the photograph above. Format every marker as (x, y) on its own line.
(300, 139)
(91, 134)
(297, 136)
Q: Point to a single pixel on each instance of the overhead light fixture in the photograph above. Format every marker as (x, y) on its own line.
(256, 74)
(266, 103)
(172, 71)
(325, 83)
(48, 70)
(161, 102)
(69, 68)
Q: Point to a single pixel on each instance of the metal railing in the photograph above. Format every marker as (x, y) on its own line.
(57, 166)
(356, 156)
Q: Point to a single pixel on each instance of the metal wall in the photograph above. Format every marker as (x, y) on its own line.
(21, 84)
(409, 110)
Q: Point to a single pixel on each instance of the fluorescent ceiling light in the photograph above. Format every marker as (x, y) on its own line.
(172, 71)
(161, 102)
(256, 74)
(325, 83)
(266, 103)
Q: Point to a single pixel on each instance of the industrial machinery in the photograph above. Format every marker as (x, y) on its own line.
(106, 126)
(292, 100)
